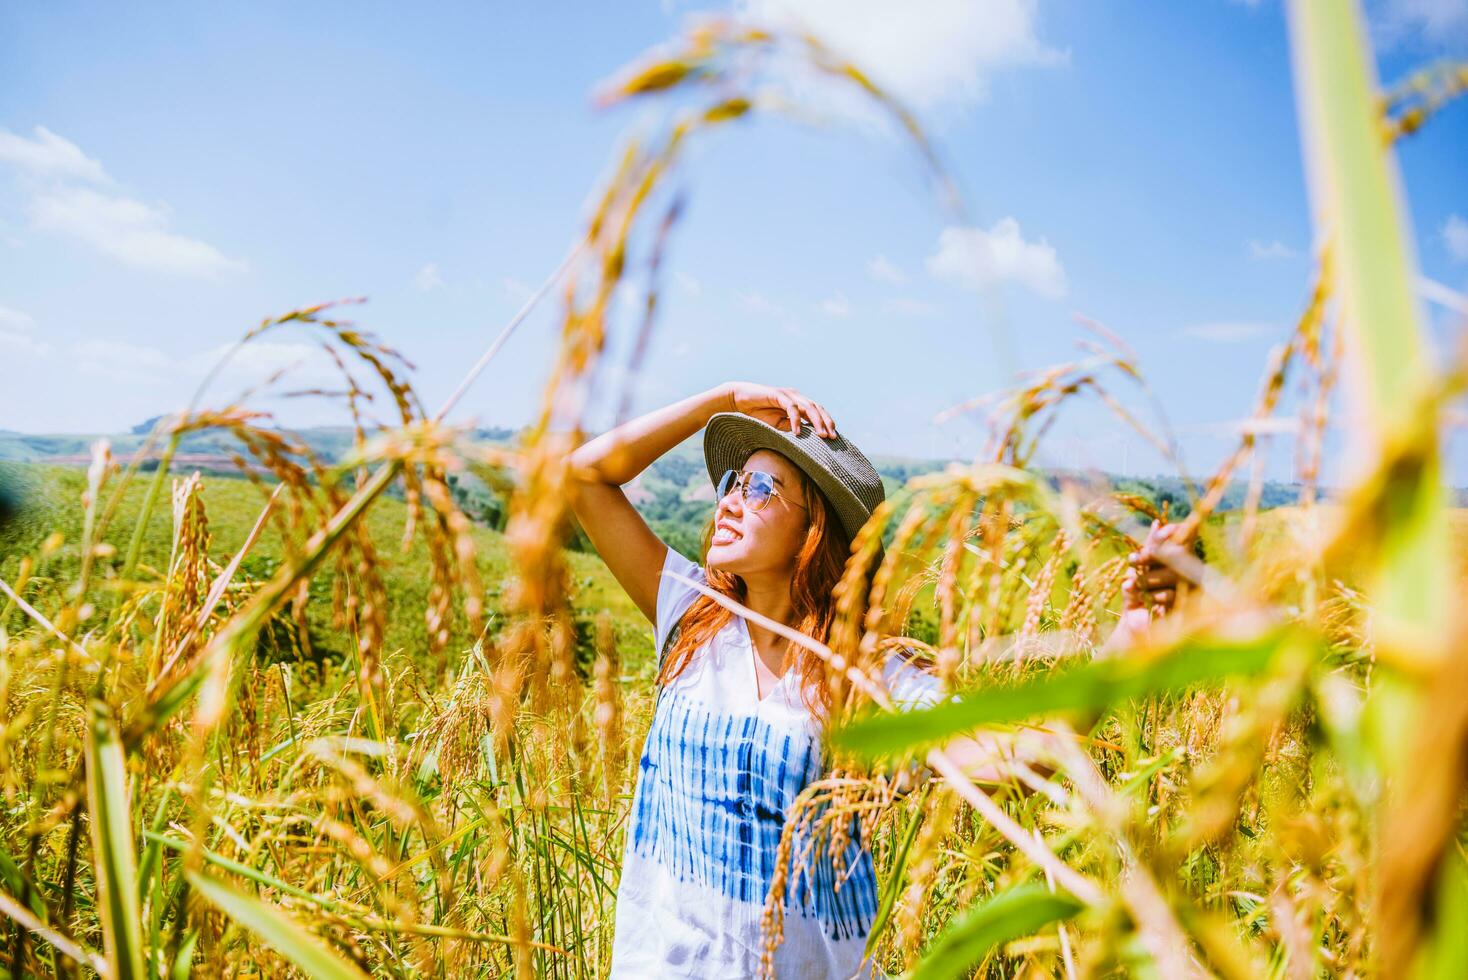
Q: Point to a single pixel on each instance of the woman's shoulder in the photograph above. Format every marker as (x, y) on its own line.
(674, 594)
(676, 564)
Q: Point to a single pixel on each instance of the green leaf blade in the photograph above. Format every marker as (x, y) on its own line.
(277, 930)
(1009, 915)
(112, 845)
(1090, 686)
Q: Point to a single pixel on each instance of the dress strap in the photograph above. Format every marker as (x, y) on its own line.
(671, 639)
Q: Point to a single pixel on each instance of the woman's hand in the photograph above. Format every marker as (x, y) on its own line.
(1150, 587)
(782, 408)
(1151, 584)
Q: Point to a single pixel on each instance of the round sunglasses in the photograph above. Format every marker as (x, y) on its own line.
(756, 487)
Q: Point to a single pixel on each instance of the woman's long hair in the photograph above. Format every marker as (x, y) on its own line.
(818, 567)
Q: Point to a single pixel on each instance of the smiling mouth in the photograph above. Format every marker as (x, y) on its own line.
(724, 534)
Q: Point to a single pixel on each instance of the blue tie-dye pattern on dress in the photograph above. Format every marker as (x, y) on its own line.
(710, 807)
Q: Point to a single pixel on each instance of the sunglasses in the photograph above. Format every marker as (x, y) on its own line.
(756, 487)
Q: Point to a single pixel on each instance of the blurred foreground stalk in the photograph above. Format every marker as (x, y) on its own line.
(1354, 186)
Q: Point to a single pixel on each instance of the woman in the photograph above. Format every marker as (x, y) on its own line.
(735, 735)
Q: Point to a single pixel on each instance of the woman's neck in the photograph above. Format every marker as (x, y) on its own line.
(769, 598)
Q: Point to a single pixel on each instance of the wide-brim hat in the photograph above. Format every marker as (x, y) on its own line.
(846, 477)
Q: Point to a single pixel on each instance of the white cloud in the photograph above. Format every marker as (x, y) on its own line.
(60, 203)
(883, 271)
(17, 329)
(15, 320)
(759, 304)
(1270, 250)
(909, 307)
(689, 285)
(121, 352)
(1435, 21)
(24, 343)
(518, 290)
(50, 156)
(428, 278)
(1455, 237)
(978, 259)
(926, 52)
(1440, 295)
(835, 306)
(119, 360)
(129, 230)
(301, 365)
(1227, 332)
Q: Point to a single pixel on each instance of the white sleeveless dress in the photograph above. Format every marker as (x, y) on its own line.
(719, 770)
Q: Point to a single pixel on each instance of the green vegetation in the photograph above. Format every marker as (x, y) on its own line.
(50, 503)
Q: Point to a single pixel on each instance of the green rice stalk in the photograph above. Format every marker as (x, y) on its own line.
(278, 930)
(112, 845)
(135, 544)
(1020, 911)
(1354, 185)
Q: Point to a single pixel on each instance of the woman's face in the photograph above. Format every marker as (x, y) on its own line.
(765, 541)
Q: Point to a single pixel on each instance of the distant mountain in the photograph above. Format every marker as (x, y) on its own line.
(674, 494)
(213, 449)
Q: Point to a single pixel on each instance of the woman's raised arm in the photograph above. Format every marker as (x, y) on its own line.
(601, 466)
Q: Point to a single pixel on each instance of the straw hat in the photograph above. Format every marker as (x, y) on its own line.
(845, 476)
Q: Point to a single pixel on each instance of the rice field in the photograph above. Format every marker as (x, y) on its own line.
(313, 721)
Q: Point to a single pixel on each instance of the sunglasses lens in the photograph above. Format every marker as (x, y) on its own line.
(759, 490)
(726, 483)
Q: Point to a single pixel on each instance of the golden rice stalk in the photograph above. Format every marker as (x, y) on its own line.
(187, 583)
(1420, 97)
(923, 868)
(607, 715)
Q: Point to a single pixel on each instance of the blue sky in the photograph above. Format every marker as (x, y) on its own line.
(170, 175)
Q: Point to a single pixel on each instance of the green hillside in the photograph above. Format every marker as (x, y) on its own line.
(47, 499)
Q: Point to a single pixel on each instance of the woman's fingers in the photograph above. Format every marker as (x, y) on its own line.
(792, 412)
(1162, 578)
(1149, 582)
(1156, 535)
(829, 422)
(804, 410)
(1152, 588)
(1167, 535)
(1149, 558)
(820, 421)
(1163, 599)
(784, 407)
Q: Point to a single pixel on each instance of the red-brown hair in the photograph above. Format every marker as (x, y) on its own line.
(818, 567)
